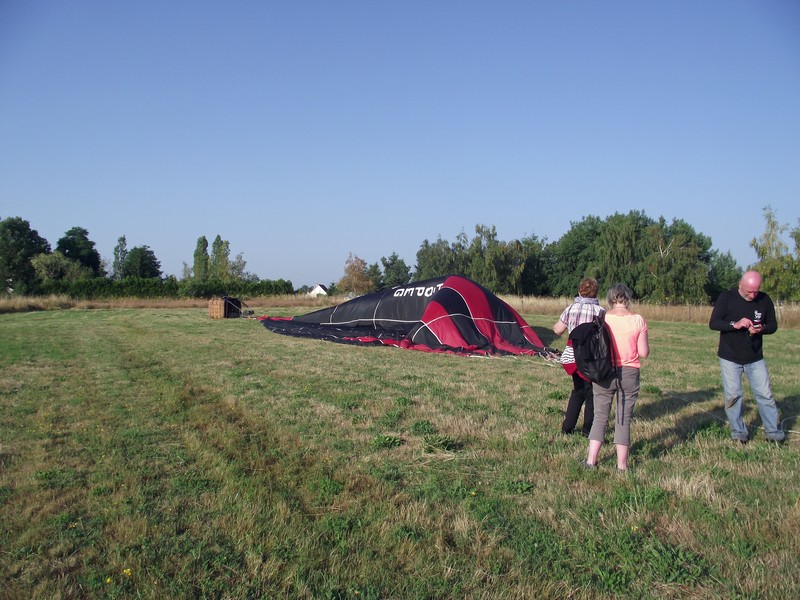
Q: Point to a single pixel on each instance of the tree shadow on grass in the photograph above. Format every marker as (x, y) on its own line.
(672, 402)
(703, 420)
(788, 409)
(685, 427)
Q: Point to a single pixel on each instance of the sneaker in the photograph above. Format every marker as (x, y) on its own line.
(740, 442)
(587, 466)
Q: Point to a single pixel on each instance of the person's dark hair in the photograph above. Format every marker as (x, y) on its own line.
(619, 293)
(588, 288)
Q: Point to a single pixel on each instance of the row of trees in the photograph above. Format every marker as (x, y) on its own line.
(218, 265)
(664, 263)
(661, 262)
(668, 263)
(27, 262)
(28, 265)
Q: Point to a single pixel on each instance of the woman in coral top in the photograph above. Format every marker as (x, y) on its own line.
(629, 335)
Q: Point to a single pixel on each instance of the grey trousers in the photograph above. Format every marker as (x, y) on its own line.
(625, 388)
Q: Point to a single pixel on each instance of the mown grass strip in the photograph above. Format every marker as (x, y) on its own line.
(156, 453)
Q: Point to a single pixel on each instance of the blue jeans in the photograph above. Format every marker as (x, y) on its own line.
(758, 378)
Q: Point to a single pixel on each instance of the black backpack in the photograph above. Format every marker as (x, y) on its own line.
(594, 350)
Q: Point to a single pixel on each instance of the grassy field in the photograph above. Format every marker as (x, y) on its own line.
(155, 453)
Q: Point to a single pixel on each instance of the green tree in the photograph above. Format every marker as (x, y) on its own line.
(375, 276)
(795, 235)
(660, 261)
(76, 245)
(435, 260)
(355, 280)
(620, 249)
(495, 264)
(18, 245)
(395, 271)
(141, 262)
(533, 280)
(218, 266)
(201, 261)
(120, 256)
(770, 245)
(485, 258)
(57, 267)
(511, 267)
(573, 257)
(676, 260)
(236, 269)
(780, 270)
(723, 274)
(219, 260)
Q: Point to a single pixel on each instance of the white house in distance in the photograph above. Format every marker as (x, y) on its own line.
(318, 290)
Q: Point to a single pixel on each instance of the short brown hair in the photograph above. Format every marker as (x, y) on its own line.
(588, 288)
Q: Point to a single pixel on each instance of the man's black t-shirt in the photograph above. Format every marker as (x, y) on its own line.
(737, 345)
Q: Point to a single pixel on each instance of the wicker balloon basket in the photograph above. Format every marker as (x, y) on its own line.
(224, 307)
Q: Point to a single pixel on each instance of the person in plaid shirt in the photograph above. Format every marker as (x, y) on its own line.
(583, 310)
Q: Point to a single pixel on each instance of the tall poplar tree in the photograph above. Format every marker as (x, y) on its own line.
(201, 260)
(219, 262)
(120, 256)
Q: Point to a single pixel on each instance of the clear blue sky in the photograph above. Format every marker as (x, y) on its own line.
(304, 131)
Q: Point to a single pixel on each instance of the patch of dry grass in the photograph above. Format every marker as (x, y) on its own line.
(16, 304)
(788, 314)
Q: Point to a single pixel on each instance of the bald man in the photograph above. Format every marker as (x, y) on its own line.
(743, 316)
